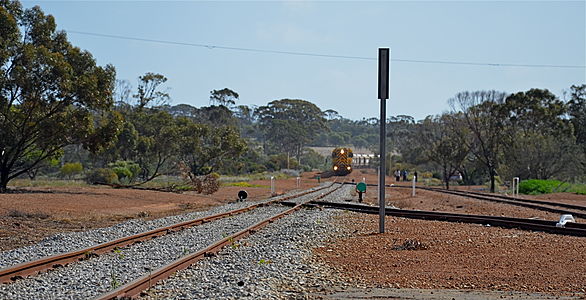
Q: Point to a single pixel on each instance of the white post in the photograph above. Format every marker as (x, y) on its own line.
(413, 186)
(272, 185)
(298, 182)
(515, 186)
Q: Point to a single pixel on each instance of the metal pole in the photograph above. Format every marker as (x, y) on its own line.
(413, 186)
(383, 94)
(381, 177)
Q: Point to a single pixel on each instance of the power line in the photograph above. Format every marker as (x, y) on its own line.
(212, 47)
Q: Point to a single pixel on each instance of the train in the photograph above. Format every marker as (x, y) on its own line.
(342, 161)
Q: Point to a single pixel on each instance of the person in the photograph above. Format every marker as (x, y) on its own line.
(397, 175)
(404, 175)
(415, 174)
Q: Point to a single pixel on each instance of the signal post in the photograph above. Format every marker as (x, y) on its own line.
(383, 95)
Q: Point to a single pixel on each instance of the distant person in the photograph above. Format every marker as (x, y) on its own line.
(397, 175)
(405, 175)
(415, 175)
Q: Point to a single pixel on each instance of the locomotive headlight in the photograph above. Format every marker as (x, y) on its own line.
(348, 168)
(335, 168)
(342, 151)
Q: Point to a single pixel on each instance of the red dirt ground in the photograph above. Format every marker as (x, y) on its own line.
(454, 255)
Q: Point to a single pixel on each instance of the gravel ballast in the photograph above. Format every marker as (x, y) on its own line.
(101, 274)
(274, 263)
(98, 275)
(66, 242)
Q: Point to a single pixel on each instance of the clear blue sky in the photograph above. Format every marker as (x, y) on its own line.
(536, 33)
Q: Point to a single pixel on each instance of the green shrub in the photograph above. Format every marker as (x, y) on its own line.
(126, 171)
(102, 175)
(538, 186)
(124, 175)
(71, 169)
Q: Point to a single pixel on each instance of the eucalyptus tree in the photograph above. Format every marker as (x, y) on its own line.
(539, 138)
(149, 90)
(577, 112)
(290, 124)
(225, 97)
(204, 149)
(52, 94)
(482, 114)
(441, 141)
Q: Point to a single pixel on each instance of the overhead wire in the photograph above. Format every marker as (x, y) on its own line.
(212, 47)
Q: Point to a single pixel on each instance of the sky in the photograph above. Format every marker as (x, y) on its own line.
(187, 40)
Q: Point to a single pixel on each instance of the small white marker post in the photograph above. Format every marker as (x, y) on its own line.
(516, 186)
(413, 186)
(298, 182)
(272, 185)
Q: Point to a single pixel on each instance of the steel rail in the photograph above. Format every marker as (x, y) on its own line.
(18, 271)
(575, 229)
(529, 204)
(137, 286)
(534, 204)
(571, 206)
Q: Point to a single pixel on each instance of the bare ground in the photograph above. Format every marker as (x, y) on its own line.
(418, 259)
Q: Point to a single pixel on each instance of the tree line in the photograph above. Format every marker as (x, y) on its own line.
(530, 135)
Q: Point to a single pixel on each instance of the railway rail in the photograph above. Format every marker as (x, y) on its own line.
(574, 229)
(555, 207)
(550, 206)
(33, 267)
(135, 287)
(13, 273)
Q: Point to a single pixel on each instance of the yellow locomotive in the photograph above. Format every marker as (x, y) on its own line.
(342, 161)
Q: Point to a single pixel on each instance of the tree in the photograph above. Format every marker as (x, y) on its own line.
(225, 97)
(439, 141)
(148, 90)
(331, 114)
(122, 92)
(290, 124)
(71, 169)
(52, 94)
(482, 114)
(577, 112)
(539, 140)
(155, 142)
(203, 149)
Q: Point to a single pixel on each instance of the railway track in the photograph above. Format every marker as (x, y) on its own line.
(574, 229)
(550, 206)
(233, 225)
(555, 207)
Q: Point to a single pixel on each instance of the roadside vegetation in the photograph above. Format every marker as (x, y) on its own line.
(537, 186)
(66, 120)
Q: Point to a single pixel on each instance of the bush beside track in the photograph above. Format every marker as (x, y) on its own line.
(538, 186)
